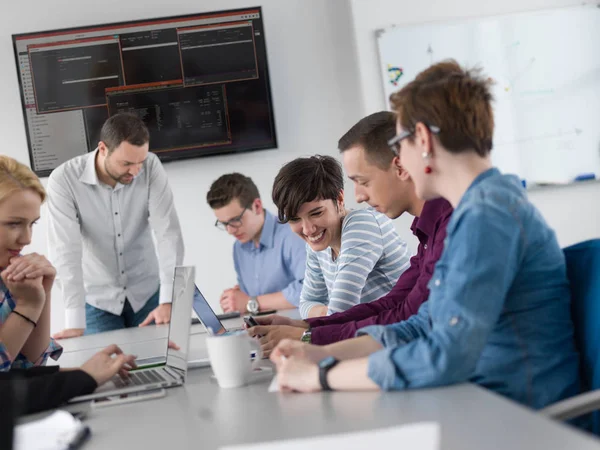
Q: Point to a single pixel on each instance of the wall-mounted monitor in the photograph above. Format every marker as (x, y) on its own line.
(200, 82)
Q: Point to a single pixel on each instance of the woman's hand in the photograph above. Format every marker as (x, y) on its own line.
(29, 295)
(298, 374)
(31, 266)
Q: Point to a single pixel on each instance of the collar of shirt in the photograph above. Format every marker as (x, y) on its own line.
(481, 177)
(424, 226)
(267, 235)
(89, 174)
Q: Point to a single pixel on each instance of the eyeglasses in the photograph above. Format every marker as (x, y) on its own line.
(394, 143)
(236, 222)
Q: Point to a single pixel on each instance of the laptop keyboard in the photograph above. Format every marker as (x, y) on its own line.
(139, 378)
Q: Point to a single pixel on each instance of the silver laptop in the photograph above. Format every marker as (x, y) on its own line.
(173, 371)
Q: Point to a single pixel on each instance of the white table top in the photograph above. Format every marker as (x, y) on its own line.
(201, 415)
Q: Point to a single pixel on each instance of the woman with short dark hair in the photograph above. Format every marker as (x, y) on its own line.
(353, 256)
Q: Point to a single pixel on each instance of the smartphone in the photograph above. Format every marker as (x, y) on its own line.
(131, 397)
(265, 313)
(250, 321)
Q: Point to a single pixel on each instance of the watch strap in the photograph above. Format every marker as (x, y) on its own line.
(324, 370)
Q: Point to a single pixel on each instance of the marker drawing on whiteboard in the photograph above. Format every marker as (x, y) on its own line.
(395, 73)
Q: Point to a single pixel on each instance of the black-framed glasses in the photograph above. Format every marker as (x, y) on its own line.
(394, 143)
(236, 222)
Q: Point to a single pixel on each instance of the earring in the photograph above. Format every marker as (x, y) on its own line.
(426, 156)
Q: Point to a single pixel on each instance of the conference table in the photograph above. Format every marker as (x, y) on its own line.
(200, 415)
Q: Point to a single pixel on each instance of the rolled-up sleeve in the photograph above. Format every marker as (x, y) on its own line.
(295, 260)
(292, 292)
(468, 290)
(65, 249)
(5, 358)
(400, 333)
(7, 362)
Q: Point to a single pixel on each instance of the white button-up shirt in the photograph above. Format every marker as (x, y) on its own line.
(100, 237)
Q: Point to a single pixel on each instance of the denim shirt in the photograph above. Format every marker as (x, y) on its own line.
(498, 312)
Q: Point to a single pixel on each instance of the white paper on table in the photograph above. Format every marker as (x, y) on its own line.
(55, 431)
(417, 436)
(274, 386)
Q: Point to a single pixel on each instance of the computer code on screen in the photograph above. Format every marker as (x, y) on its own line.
(200, 83)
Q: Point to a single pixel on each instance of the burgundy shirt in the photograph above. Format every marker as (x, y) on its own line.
(410, 291)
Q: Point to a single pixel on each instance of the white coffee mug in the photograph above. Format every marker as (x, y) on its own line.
(230, 358)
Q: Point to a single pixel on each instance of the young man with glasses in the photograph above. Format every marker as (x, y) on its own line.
(269, 258)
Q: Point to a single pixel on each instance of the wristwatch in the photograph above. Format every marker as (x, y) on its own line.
(325, 365)
(307, 336)
(252, 306)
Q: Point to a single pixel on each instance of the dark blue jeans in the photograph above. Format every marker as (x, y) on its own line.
(97, 320)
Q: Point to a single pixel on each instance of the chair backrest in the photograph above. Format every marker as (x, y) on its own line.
(583, 270)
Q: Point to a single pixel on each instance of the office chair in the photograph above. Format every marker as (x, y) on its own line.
(583, 270)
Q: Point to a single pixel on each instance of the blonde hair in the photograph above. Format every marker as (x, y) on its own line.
(15, 176)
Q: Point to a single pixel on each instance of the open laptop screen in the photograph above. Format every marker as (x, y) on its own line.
(206, 314)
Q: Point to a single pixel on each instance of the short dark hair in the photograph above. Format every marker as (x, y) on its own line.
(306, 180)
(372, 133)
(455, 99)
(229, 187)
(124, 127)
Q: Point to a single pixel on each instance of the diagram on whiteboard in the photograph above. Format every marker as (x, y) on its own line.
(395, 73)
(546, 83)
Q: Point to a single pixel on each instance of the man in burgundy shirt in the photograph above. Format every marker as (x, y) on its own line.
(381, 182)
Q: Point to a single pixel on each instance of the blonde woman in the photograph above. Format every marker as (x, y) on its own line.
(25, 280)
(25, 286)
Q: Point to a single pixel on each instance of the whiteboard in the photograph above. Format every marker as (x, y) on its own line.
(546, 71)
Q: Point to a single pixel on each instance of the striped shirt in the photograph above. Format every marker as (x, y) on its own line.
(371, 259)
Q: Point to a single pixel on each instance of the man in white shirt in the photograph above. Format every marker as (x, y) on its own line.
(102, 208)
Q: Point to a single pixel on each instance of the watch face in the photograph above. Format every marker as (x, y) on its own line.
(326, 362)
(252, 306)
(306, 337)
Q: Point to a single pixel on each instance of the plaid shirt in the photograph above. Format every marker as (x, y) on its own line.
(7, 361)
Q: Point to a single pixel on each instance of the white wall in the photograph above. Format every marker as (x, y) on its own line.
(312, 67)
(573, 211)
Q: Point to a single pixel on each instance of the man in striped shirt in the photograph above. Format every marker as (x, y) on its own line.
(352, 256)
(382, 183)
